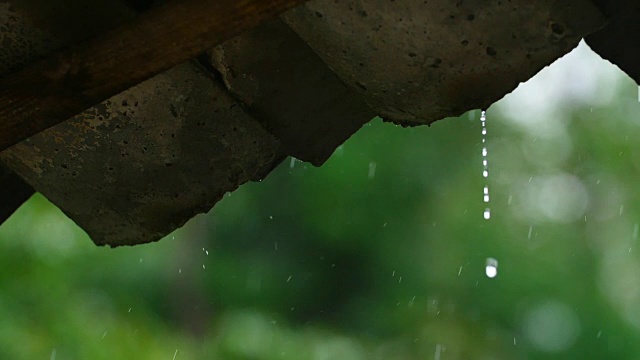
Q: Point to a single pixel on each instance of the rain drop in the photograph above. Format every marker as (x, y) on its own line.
(491, 268)
(372, 169)
(436, 356)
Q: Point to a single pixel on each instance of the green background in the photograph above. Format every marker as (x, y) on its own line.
(378, 254)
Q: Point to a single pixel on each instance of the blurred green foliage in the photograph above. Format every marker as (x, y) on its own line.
(378, 254)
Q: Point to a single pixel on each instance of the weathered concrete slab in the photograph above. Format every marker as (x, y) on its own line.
(141, 164)
(419, 61)
(291, 91)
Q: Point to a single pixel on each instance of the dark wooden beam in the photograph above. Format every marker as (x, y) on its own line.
(60, 86)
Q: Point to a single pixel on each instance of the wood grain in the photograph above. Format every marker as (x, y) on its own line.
(60, 86)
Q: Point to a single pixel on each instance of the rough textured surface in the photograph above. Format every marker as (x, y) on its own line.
(291, 91)
(30, 29)
(419, 61)
(142, 163)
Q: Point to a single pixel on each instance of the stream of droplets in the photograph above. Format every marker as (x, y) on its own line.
(491, 266)
(485, 166)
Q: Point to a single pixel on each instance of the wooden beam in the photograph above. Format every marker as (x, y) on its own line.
(61, 86)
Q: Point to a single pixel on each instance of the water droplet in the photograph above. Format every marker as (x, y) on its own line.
(491, 268)
(486, 198)
(485, 173)
(530, 230)
(484, 151)
(487, 213)
(438, 351)
(372, 169)
(289, 278)
(292, 163)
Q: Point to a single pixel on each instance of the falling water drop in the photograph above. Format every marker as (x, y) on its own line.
(372, 169)
(436, 356)
(487, 213)
(491, 268)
